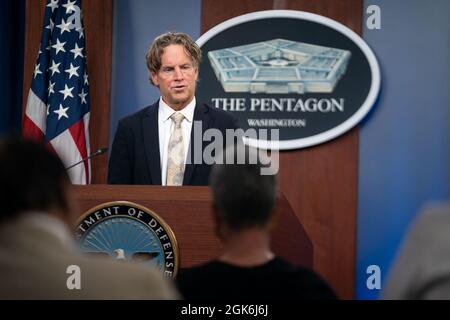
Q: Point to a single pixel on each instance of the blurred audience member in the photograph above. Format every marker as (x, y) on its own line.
(422, 267)
(36, 243)
(243, 202)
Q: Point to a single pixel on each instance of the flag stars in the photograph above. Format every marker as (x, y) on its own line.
(64, 26)
(37, 70)
(67, 92)
(51, 88)
(51, 26)
(77, 52)
(86, 78)
(59, 46)
(81, 32)
(62, 112)
(53, 4)
(83, 96)
(55, 67)
(72, 71)
(58, 97)
(69, 7)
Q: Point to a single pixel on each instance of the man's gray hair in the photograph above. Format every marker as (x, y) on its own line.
(243, 196)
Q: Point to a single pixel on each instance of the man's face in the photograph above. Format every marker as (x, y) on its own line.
(177, 77)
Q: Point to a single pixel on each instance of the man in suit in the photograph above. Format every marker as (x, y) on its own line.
(156, 145)
(37, 248)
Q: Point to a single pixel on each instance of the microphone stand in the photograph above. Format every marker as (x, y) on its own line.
(96, 153)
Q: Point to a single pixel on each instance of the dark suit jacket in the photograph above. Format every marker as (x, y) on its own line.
(135, 155)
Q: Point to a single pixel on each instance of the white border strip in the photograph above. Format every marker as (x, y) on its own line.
(343, 127)
(36, 111)
(68, 152)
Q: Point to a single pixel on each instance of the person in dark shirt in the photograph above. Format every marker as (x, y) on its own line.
(243, 202)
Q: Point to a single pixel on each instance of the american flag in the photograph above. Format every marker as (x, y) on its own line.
(58, 106)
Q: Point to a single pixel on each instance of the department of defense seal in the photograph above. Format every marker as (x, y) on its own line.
(127, 231)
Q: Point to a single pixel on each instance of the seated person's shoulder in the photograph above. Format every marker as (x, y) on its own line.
(125, 280)
(297, 283)
(310, 285)
(435, 213)
(303, 282)
(206, 270)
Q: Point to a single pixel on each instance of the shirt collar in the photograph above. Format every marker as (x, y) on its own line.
(165, 111)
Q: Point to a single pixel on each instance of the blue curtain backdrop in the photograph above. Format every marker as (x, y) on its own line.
(12, 18)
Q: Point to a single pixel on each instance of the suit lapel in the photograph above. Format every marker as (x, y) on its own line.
(151, 143)
(200, 114)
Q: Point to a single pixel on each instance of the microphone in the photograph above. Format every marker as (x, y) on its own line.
(96, 153)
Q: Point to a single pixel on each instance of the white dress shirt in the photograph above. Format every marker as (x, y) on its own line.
(166, 126)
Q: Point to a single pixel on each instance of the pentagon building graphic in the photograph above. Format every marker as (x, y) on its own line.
(279, 66)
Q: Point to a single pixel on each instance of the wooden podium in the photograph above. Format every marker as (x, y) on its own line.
(187, 210)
